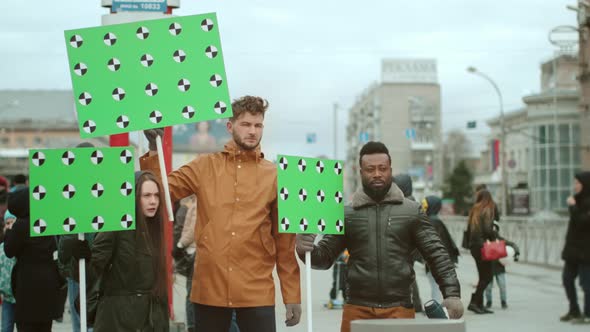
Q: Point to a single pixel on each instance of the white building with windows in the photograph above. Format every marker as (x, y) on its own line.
(543, 139)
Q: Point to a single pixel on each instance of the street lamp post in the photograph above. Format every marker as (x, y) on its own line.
(473, 70)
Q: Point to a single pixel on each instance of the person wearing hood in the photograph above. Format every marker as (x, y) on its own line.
(36, 283)
(6, 266)
(237, 233)
(383, 229)
(3, 201)
(432, 205)
(576, 252)
(404, 183)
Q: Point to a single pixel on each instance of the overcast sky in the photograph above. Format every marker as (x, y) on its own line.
(304, 56)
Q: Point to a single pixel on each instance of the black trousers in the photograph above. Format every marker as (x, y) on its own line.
(570, 272)
(34, 327)
(484, 271)
(218, 319)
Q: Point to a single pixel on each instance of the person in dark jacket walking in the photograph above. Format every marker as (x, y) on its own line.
(499, 272)
(404, 183)
(576, 252)
(132, 266)
(382, 231)
(432, 205)
(36, 282)
(481, 229)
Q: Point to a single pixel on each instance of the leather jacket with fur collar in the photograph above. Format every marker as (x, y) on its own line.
(380, 238)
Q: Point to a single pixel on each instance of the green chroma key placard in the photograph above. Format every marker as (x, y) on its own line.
(310, 195)
(147, 74)
(81, 190)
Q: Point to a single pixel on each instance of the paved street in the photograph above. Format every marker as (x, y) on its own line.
(535, 299)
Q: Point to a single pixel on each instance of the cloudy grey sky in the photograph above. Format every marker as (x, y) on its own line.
(305, 55)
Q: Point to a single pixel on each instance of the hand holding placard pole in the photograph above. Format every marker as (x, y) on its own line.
(308, 286)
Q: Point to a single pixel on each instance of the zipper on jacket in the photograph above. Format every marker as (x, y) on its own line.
(378, 237)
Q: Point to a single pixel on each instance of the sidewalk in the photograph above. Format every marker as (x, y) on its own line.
(535, 299)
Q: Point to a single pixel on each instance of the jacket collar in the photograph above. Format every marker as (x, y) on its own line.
(232, 149)
(393, 196)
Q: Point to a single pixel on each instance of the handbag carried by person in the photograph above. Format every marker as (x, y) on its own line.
(493, 250)
(465, 241)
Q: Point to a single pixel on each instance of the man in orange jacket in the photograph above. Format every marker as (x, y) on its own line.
(237, 237)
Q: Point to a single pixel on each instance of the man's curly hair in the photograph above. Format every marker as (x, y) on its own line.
(250, 104)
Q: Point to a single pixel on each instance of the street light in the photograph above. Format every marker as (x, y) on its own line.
(474, 71)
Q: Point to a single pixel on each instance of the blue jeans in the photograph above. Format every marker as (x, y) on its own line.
(501, 281)
(73, 291)
(570, 272)
(8, 316)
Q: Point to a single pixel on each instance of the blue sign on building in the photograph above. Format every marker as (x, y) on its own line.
(139, 6)
(311, 138)
(364, 137)
(411, 133)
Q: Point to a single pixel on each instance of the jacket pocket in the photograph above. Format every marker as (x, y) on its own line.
(204, 239)
(268, 241)
(357, 226)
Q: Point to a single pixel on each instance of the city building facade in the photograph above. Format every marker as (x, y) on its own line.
(542, 142)
(402, 111)
(36, 119)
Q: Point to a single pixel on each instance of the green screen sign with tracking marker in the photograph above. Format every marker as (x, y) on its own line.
(147, 74)
(310, 195)
(81, 190)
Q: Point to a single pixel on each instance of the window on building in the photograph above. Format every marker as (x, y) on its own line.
(576, 134)
(564, 133)
(550, 134)
(565, 156)
(542, 135)
(37, 140)
(553, 180)
(554, 200)
(566, 177)
(552, 155)
(21, 141)
(5, 140)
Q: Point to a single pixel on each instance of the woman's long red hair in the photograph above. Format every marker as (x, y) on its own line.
(484, 208)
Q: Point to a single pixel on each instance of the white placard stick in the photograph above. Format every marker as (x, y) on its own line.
(164, 177)
(308, 286)
(82, 293)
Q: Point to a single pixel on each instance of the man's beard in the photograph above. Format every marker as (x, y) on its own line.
(377, 194)
(243, 144)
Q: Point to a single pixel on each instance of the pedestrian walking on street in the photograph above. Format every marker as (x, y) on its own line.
(405, 184)
(36, 282)
(237, 236)
(432, 205)
(481, 229)
(383, 229)
(499, 272)
(6, 266)
(576, 252)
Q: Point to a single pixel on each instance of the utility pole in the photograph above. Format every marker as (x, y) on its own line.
(473, 70)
